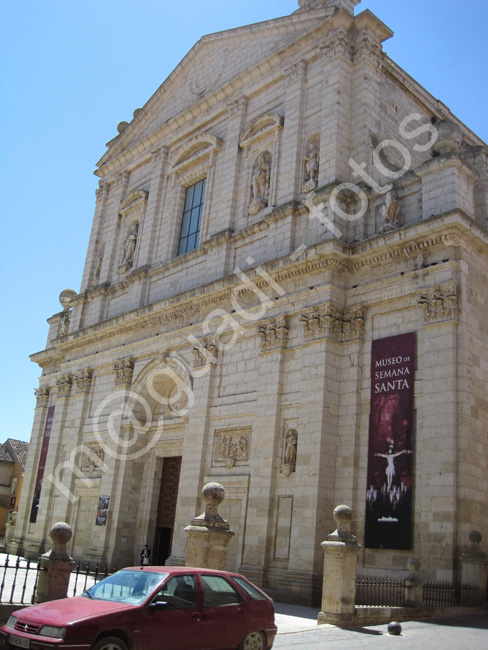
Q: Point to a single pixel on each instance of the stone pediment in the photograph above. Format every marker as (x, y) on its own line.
(213, 62)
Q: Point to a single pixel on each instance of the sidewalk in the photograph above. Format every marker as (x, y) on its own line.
(297, 628)
(295, 618)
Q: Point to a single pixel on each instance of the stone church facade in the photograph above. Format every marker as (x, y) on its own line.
(286, 198)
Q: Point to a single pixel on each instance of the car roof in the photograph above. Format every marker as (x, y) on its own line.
(180, 569)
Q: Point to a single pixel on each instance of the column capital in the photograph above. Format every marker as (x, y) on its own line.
(237, 106)
(296, 71)
(274, 333)
(83, 380)
(124, 369)
(64, 384)
(440, 303)
(42, 397)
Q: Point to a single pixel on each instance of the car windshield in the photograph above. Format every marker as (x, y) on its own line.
(126, 586)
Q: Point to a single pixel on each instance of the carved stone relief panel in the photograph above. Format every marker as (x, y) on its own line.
(232, 446)
(93, 458)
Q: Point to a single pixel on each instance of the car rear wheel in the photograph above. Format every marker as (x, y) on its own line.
(110, 643)
(253, 641)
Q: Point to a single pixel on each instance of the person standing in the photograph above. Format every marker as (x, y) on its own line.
(145, 555)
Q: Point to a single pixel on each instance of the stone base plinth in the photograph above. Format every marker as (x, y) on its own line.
(207, 547)
(54, 578)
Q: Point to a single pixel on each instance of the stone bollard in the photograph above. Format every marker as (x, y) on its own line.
(10, 529)
(56, 566)
(414, 585)
(340, 571)
(474, 565)
(209, 535)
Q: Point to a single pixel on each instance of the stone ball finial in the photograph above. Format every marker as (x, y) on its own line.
(122, 126)
(475, 537)
(449, 137)
(343, 517)
(61, 533)
(136, 112)
(65, 297)
(213, 494)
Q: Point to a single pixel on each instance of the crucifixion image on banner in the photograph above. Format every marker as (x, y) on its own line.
(390, 455)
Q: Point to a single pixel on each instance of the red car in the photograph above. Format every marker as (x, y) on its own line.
(146, 608)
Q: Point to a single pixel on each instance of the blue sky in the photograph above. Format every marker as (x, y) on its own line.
(70, 70)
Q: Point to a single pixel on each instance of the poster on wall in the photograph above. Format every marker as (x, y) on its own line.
(390, 452)
(42, 464)
(102, 511)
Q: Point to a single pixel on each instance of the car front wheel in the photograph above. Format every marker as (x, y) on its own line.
(253, 641)
(110, 643)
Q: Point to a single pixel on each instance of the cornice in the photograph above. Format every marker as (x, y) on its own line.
(451, 229)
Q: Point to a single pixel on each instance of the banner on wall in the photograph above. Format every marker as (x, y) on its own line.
(102, 512)
(42, 464)
(390, 453)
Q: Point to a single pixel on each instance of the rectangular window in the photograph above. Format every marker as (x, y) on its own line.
(192, 215)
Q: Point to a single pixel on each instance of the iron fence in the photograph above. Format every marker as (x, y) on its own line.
(19, 578)
(380, 592)
(445, 594)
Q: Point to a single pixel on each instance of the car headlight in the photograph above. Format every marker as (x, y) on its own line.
(11, 621)
(54, 632)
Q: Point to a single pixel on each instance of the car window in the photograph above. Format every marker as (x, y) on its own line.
(249, 588)
(126, 586)
(217, 591)
(179, 592)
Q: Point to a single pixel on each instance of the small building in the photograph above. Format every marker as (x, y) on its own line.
(284, 292)
(13, 458)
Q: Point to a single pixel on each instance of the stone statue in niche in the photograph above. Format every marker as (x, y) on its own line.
(129, 248)
(260, 185)
(311, 161)
(290, 455)
(389, 212)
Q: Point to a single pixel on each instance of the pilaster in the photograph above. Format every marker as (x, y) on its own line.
(23, 529)
(292, 139)
(194, 462)
(265, 452)
(48, 495)
(110, 235)
(94, 257)
(148, 246)
(437, 447)
(335, 137)
(236, 119)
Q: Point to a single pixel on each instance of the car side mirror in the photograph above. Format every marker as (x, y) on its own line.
(159, 604)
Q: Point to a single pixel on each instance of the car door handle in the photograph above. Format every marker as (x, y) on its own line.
(240, 610)
(196, 615)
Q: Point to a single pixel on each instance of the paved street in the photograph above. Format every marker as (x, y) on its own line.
(468, 631)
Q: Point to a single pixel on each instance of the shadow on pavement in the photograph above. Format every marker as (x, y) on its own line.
(365, 630)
